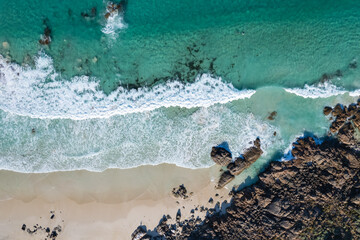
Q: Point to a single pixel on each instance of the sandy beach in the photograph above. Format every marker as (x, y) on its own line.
(105, 205)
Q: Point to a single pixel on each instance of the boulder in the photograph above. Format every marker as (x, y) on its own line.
(337, 123)
(139, 233)
(253, 153)
(249, 157)
(352, 108)
(272, 115)
(327, 110)
(221, 156)
(225, 178)
(346, 134)
(338, 110)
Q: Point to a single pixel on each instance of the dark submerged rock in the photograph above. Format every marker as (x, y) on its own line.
(46, 36)
(272, 115)
(91, 14)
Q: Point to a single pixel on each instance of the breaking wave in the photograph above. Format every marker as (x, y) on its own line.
(322, 90)
(41, 93)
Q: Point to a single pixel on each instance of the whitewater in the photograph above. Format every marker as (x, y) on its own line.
(52, 124)
(40, 92)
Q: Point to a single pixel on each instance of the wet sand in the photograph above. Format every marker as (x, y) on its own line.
(105, 205)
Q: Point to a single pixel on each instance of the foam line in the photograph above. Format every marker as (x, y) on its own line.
(128, 141)
(41, 93)
(323, 90)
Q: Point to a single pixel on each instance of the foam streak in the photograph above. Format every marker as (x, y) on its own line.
(41, 93)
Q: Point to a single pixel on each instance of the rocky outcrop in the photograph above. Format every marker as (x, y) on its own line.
(249, 157)
(225, 178)
(346, 121)
(240, 164)
(113, 9)
(314, 196)
(139, 233)
(221, 156)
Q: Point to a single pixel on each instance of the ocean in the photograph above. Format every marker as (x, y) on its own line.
(164, 81)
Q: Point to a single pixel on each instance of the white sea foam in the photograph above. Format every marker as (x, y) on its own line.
(114, 23)
(176, 136)
(322, 90)
(355, 93)
(40, 92)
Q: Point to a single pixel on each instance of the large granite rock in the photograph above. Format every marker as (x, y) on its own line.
(327, 110)
(240, 164)
(249, 157)
(221, 156)
(346, 122)
(139, 233)
(225, 178)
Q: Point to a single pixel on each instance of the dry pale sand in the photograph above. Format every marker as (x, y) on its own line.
(106, 205)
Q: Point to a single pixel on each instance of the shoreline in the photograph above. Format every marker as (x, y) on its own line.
(316, 195)
(107, 205)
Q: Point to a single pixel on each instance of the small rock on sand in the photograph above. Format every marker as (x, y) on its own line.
(180, 192)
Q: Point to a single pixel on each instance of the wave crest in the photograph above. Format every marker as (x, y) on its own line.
(322, 90)
(38, 92)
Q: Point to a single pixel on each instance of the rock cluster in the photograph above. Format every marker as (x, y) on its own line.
(113, 9)
(272, 115)
(91, 14)
(240, 164)
(180, 192)
(314, 196)
(40, 231)
(347, 119)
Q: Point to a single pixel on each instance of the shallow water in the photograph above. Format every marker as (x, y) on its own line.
(166, 81)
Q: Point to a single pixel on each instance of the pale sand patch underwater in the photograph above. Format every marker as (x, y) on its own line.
(105, 205)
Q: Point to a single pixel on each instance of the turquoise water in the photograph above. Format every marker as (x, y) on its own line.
(165, 81)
